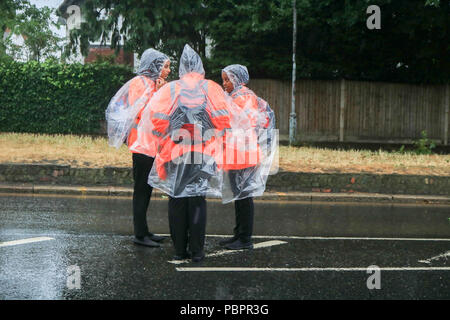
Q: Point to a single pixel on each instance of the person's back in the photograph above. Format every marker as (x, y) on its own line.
(188, 115)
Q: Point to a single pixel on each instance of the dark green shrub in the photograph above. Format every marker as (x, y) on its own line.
(57, 98)
(424, 145)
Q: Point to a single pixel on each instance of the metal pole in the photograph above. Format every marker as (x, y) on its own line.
(342, 111)
(293, 115)
(446, 113)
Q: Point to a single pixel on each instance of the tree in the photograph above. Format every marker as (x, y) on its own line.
(164, 25)
(8, 9)
(333, 40)
(254, 33)
(34, 25)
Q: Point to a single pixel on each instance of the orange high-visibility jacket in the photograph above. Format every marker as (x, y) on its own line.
(246, 98)
(248, 154)
(139, 86)
(177, 107)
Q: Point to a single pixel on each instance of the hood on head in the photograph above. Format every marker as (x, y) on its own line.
(238, 74)
(190, 61)
(152, 63)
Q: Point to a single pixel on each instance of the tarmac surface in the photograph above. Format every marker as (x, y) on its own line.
(66, 247)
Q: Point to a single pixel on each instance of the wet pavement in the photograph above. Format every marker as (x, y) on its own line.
(323, 252)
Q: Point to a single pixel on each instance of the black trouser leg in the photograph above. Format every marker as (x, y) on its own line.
(187, 223)
(142, 192)
(197, 225)
(244, 211)
(178, 224)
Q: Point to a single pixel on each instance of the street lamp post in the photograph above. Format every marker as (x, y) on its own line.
(293, 115)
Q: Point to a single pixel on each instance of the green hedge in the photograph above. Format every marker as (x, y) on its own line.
(57, 98)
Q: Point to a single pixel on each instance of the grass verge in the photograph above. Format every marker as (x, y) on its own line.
(85, 151)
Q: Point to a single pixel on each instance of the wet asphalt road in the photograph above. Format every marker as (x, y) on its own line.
(94, 234)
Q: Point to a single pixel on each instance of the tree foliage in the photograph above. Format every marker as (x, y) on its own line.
(333, 40)
(34, 25)
(8, 9)
(164, 25)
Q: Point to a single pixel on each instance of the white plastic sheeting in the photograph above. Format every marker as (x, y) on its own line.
(248, 178)
(123, 109)
(121, 113)
(238, 74)
(152, 62)
(187, 117)
(207, 144)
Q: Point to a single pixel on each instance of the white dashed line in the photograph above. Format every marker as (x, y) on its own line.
(336, 238)
(250, 269)
(24, 241)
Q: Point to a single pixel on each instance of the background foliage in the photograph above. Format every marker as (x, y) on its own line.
(34, 25)
(333, 41)
(57, 98)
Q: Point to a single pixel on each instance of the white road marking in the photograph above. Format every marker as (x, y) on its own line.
(444, 255)
(24, 241)
(334, 238)
(251, 269)
(224, 252)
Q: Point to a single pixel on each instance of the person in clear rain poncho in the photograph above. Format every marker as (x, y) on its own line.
(245, 176)
(188, 117)
(123, 116)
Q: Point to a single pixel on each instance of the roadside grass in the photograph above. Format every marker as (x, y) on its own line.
(86, 151)
(79, 151)
(313, 159)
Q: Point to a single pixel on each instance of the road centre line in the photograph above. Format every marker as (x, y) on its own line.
(260, 245)
(251, 269)
(24, 241)
(334, 238)
(309, 237)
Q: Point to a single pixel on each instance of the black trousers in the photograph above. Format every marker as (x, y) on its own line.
(142, 192)
(244, 209)
(244, 213)
(187, 223)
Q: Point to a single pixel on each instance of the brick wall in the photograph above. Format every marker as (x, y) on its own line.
(122, 58)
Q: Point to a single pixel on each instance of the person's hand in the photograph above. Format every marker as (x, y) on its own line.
(160, 82)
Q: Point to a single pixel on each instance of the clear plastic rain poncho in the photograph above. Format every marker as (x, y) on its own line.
(248, 175)
(188, 118)
(123, 109)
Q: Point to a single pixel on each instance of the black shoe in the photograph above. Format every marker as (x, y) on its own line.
(156, 238)
(185, 256)
(146, 241)
(198, 257)
(239, 245)
(227, 241)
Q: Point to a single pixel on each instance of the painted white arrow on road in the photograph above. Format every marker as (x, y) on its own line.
(444, 255)
(225, 252)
